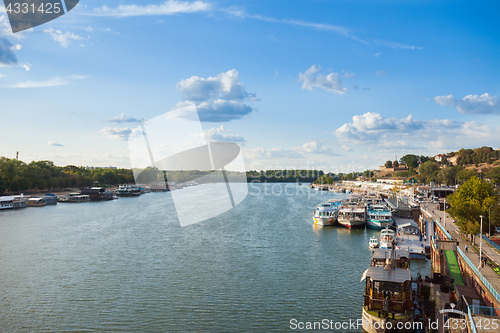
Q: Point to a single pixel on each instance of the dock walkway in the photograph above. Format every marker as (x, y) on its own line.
(489, 274)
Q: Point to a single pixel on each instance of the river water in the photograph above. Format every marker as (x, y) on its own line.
(128, 265)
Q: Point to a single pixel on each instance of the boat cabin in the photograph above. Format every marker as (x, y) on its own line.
(400, 258)
(388, 292)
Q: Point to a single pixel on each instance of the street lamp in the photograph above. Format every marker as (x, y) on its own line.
(481, 244)
(489, 221)
(444, 212)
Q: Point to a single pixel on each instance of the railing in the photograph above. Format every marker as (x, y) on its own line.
(471, 321)
(443, 229)
(493, 244)
(479, 275)
(483, 310)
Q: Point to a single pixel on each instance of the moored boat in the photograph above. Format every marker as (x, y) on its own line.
(325, 213)
(7, 202)
(128, 191)
(388, 302)
(36, 202)
(352, 214)
(379, 216)
(387, 238)
(373, 243)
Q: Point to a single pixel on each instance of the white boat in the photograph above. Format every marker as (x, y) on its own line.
(387, 238)
(129, 191)
(6, 202)
(36, 202)
(352, 214)
(373, 243)
(326, 213)
(379, 216)
(352, 217)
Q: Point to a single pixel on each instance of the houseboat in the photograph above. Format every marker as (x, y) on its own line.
(388, 302)
(97, 193)
(50, 199)
(7, 202)
(74, 198)
(36, 202)
(128, 191)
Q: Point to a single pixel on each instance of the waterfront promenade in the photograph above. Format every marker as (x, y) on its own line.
(489, 274)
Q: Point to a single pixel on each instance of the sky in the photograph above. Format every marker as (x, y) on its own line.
(332, 85)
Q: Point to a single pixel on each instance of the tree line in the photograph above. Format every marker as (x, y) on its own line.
(18, 176)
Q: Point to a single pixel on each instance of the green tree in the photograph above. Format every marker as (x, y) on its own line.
(447, 176)
(494, 175)
(395, 164)
(470, 200)
(3, 186)
(465, 174)
(428, 170)
(388, 164)
(410, 160)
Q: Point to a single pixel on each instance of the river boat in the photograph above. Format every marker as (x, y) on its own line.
(36, 202)
(387, 238)
(6, 202)
(379, 216)
(97, 194)
(50, 199)
(74, 198)
(128, 191)
(373, 243)
(387, 296)
(325, 213)
(352, 214)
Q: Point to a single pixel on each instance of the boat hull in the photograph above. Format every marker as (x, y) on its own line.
(378, 225)
(374, 324)
(352, 223)
(324, 221)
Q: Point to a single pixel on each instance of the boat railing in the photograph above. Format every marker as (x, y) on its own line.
(393, 296)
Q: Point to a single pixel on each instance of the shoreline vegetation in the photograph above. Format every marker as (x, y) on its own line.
(455, 168)
(41, 176)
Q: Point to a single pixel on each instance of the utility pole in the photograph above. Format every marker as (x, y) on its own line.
(444, 212)
(481, 244)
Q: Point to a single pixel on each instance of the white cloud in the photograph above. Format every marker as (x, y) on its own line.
(372, 131)
(471, 104)
(62, 38)
(314, 147)
(271, 153)
(225, 86)
(170, 7)
(330, 82)
(117, 133)
(221, 134)
(217, 99)
(371, 126)
(53, 82)
(122, 118)
(54, 144)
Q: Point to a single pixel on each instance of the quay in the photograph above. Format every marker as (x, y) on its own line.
(464, 285)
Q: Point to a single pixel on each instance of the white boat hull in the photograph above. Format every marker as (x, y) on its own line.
(352, 223)
(324, 221)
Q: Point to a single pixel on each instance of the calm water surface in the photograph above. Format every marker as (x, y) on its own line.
(127, 265)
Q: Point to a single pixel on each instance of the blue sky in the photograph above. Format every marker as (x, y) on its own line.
(336, 85)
